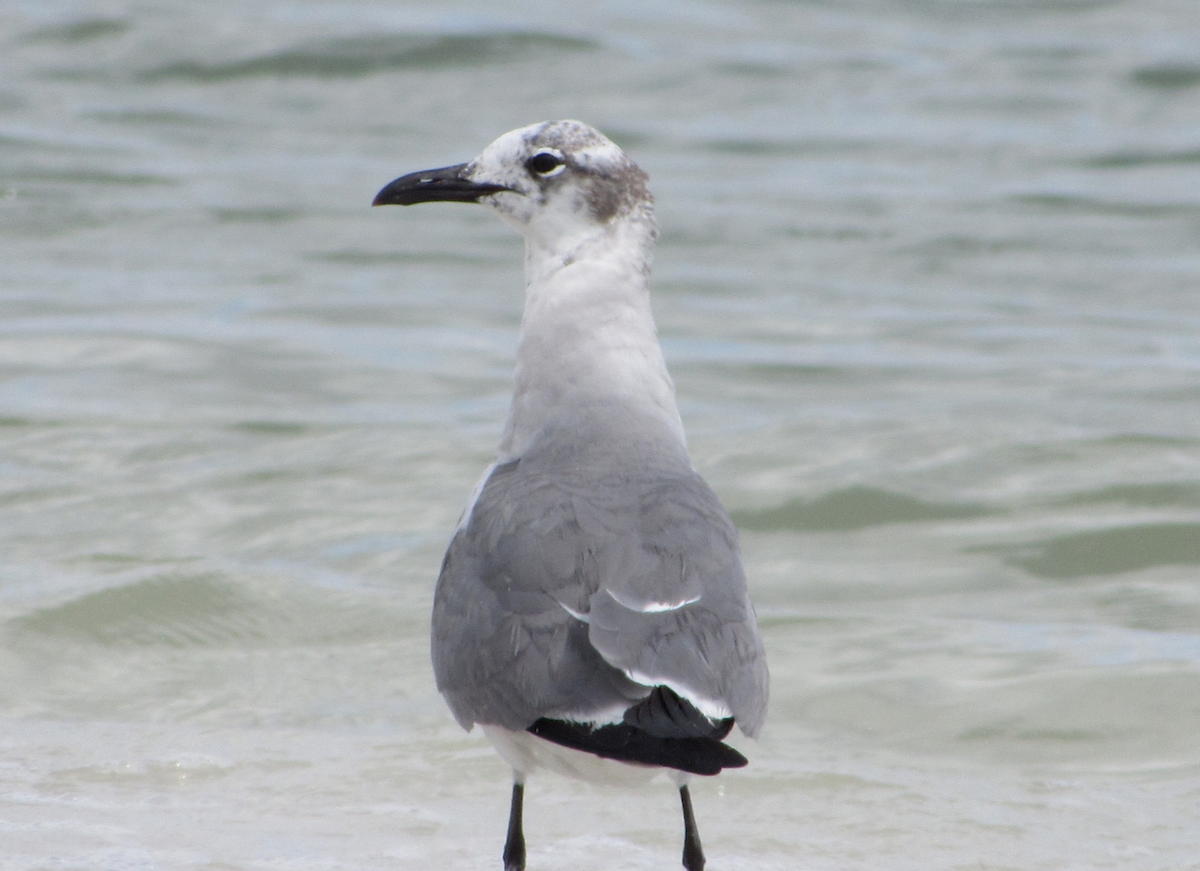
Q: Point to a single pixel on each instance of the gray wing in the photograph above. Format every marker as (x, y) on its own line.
(565, 595)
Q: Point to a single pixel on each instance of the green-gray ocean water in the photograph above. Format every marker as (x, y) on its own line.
(927, 282)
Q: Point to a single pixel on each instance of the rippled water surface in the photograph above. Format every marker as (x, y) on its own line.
(927, 282)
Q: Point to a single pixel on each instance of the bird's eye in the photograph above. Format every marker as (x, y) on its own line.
(546, 163)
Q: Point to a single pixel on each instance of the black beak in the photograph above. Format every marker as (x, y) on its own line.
(445, 185)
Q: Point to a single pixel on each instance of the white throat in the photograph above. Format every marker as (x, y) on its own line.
(590, 374)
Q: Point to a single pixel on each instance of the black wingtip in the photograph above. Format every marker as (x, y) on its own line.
(666, 714)
(625, 743)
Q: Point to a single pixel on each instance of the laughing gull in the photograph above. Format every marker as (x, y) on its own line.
(591, 613)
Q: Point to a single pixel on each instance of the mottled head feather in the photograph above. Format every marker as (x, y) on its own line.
(596, 182)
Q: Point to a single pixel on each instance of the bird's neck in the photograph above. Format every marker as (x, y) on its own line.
(590, 377)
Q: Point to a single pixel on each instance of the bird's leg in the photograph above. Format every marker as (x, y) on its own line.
(514, 844)
(693, 853)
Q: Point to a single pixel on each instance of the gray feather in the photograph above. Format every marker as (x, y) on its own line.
(611, 547)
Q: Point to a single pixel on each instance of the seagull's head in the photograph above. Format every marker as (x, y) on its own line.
(557, 182)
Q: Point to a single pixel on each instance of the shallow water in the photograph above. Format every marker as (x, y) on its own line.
(927, 284)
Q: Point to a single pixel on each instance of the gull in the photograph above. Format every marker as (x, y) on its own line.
(591, 614)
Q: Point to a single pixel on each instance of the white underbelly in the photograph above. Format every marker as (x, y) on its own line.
(526, 753)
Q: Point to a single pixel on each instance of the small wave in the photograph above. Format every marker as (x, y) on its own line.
(185, 610)
(1089, 205)
(1135, 159)
(175, 611)
(262, 215)
(364, 55)
(1113, 551)
(359, 257)
(1165, 494)
(156, 118)
(84, 30)
(90, 177)
(761, 147)
(273, 427)
(851, 509)
(1167, 76)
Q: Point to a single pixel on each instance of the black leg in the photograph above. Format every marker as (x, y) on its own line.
(514, 845)
(693, 854)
